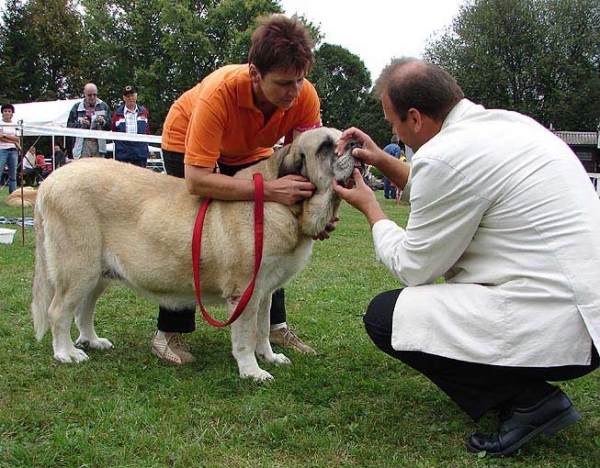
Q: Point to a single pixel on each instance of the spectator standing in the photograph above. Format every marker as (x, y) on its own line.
(519, 305)
(231, 120)
(59, 157)
(399, 198)
(131, 118)
(389, 189)
(9, 147)
(93, 114)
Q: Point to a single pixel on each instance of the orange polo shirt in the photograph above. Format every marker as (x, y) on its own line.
(178, 120)
(226, 125)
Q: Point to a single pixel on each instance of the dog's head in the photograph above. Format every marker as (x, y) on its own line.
(312, 155)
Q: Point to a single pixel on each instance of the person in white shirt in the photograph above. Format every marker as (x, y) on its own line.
(9, 147)
(504, 211)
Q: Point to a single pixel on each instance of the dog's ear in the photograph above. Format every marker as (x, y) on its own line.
(293, 161)
(327, 146)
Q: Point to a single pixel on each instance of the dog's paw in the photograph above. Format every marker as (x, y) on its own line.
(70, 357)
(98, 343)
(280, 359)
(259, 375)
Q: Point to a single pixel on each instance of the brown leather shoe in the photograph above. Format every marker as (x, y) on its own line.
(287, 337)
(548, 416)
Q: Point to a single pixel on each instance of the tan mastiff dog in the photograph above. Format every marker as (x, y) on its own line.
(98, 220)
(27, 200)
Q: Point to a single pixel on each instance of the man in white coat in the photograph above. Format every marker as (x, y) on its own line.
(504, 211)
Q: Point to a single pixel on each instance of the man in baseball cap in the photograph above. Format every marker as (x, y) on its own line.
(131, 118)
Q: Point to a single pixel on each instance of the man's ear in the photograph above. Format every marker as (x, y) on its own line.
(415, 120)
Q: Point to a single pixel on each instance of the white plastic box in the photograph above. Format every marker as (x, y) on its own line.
(7, 235)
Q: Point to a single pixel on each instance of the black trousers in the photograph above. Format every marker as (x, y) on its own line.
(184, 320)
(475, 388)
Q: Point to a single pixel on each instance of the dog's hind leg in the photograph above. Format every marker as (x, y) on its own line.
(60, 317)
(73, 293)
(263, 345)
(84, 319)
(243, 340)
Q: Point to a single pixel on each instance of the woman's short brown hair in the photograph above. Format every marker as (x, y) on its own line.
(281, 42)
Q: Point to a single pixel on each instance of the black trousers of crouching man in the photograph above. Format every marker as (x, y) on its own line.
(475, 388)
(184, 320)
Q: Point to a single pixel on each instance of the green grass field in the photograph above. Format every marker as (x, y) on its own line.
(351, 406)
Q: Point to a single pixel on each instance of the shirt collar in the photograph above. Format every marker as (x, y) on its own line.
(462, 108)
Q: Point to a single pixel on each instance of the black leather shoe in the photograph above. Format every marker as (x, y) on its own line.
(548, 416)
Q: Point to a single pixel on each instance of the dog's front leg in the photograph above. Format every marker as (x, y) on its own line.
(263, 345)
(243, 341)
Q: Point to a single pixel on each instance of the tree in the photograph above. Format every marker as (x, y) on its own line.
(372, 121)
(539, 57)
(342, 82)
(39, 49)
(50, 48)
(165, 46)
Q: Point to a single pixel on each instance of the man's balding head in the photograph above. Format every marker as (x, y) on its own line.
(412, 83)
(90, 93)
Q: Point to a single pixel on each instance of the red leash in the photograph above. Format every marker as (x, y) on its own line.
(258, 250)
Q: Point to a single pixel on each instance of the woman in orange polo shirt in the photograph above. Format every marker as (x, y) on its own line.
(231, 120)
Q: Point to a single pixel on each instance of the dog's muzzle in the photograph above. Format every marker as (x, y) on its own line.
(346, 163)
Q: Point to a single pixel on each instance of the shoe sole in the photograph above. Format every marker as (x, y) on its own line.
(565, 419)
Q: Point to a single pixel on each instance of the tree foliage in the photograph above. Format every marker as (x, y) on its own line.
(539, 57)
(343, 83)
(50, 48)
(165, 46)
(39, 49)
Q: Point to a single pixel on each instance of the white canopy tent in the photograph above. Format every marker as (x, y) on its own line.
(47, 114)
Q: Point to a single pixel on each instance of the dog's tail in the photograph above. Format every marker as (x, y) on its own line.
(43, 290)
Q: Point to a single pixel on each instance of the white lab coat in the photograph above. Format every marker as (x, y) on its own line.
(505, 209)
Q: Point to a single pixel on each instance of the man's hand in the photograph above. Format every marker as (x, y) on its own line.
(361, 197)
(369, 153)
